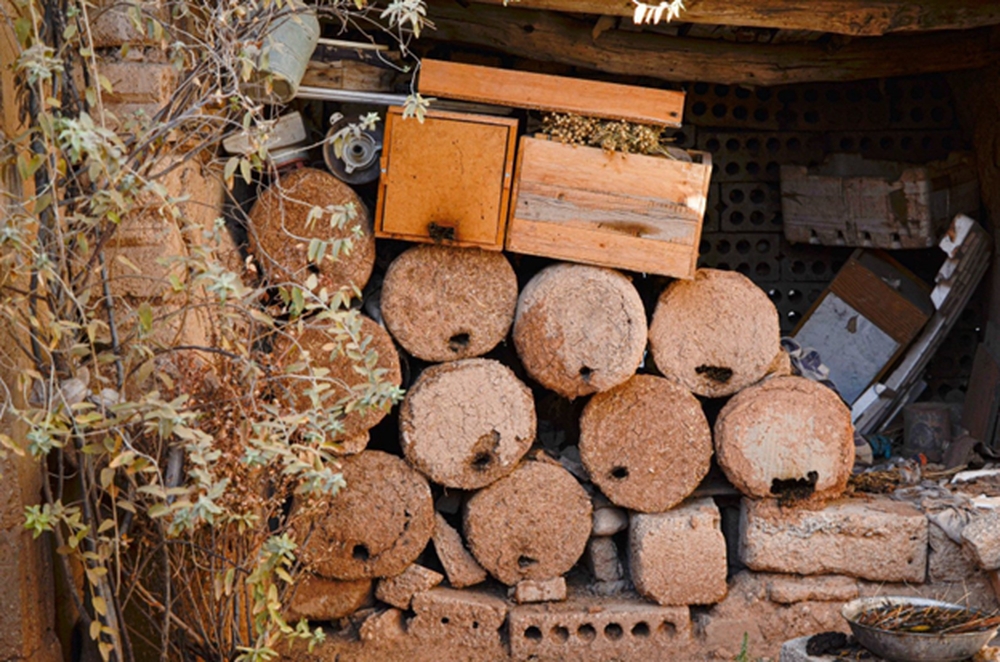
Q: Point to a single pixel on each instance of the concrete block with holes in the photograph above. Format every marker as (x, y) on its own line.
(598, 630)
(466, 616)
(679, 557)
(878, 539)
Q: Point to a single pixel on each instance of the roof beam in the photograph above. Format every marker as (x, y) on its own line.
(555, 37)
(850, 17)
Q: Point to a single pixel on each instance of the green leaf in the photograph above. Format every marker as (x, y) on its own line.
(145, 317)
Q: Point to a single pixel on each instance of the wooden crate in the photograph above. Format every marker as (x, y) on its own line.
(865, 319)
(446, 180)
(850, 201)
(628, 211)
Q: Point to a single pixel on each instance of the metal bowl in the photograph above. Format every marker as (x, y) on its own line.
(914, 646)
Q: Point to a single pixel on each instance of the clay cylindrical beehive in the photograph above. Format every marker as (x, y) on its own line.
(375, 526)
(341, 378)
(531, 524)
(786, 435)
(464, 424)
(716, 334)
(646, 443)
(580, 329)
(282, 228)
(443, 303)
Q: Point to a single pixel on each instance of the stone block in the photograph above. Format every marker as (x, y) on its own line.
(320, 599)
(111, 26)
(768, 624)
(608, 629)
(877, 539)
(679, 557)
(789, 589)
(947, 561)
(399, 590)
(546, 590)
(602, 559)
(465, 616)
(382, 626)
(139, 82)
(981, 537)
(460, 566)
(609, 521)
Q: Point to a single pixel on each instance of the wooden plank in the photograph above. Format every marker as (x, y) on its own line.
(521, 89)
(873, 298)
(596, 246)
(627, 211)
(447, 179)
(552, 37)
(851, 17)
(980, 411)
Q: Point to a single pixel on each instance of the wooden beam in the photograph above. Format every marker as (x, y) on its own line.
(553, 37)
(522, 89)
(851, 17)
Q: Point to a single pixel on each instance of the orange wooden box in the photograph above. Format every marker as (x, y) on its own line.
(627, 211)
(446, 180)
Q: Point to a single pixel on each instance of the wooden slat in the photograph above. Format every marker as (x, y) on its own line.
(851, 17)
(634, 212)
(521, 89)
(877, 301)
(598, 247)
(553, 37)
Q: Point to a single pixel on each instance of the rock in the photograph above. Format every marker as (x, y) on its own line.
(789, 589)
(878, 539)
(580, 329)
(548, 590)
(679, 557)
(603, 561)
(460, 566)
(981, 537)
(609, 521)
(399, 590)
(382, 626)
(444, 303)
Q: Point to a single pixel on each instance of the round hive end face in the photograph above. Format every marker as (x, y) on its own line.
(531, 524)
(375, 526)
(444, 303)
(338, 374)
(715, 334)
(787, 433)
(281, 228)
(646, 444)
(580, 329)
(465, 424)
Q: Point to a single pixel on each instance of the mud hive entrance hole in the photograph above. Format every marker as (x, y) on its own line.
(795, 488)
(716, 373)
(458, 342)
